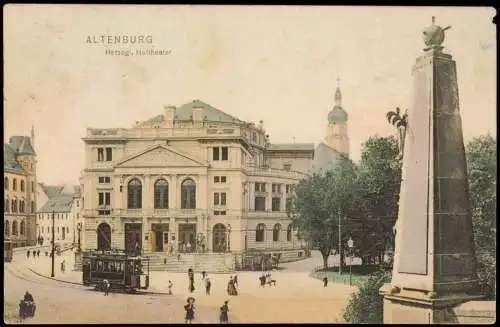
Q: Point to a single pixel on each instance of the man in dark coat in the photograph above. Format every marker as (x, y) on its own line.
(224, 319)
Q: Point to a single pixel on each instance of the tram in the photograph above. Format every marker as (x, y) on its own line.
(123, 271)
(7, 250)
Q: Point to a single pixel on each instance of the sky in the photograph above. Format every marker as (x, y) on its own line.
(278, 64)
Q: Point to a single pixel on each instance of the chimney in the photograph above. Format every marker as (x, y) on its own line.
(169, 113)
(198, 113)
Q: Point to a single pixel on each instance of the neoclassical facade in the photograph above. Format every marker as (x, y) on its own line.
(20, 191)
(191, 178)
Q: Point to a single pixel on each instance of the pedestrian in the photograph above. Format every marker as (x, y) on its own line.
(203, 274)
(170, 285)
(235, 280)
(28, 254)
(63, 266)
(208, 285)
(224, 313)
(188, 246)
(325, 281)
(38, 253)
(106, 287)
(34, 253)
(189, 307)
(178, 257)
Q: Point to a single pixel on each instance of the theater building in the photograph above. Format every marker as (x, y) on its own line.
(193, 178)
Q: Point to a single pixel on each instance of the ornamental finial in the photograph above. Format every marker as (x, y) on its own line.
(434, 36)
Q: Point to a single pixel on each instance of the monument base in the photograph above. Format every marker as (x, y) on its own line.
(408, 306)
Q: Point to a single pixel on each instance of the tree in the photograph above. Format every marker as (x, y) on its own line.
(482, 172)
(317, 204)
(379, 180)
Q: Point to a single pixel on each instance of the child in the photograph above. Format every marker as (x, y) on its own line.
(170, 285)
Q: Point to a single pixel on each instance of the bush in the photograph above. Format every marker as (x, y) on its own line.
(487, 270)
(366, 306)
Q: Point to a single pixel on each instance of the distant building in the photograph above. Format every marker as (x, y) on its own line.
(20, 190)
(63, 201)
(335, 145)
(191, 178)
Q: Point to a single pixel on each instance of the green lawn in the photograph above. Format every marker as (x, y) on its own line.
(359, 274)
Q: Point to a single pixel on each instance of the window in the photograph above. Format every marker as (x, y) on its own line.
(109, 154)
(215, 153)
(14, 185)
(220, 198)
(223, 179)
(134, 194)
(288, 188)
(22, 186)
(161, 194)
(14, 228)
(188, 194)
(287, 167)
(77, 203)
(6, 228)
(6, 183)
(33, 187)
(254, 137)
(100, 154)
(289, 233)
(276, 232)
(33, 206)
(7, 205)
(219, 212)
(220, 153)
(259, 232)
(225, 152)
(67, 229)
(260, 187)
(220, 179)
(21, 206)
(276, 204)
(216, 179)
(14, 205)
(22, 228)
(288, 204)
(260, 203)
(276, 188)
(104, 179)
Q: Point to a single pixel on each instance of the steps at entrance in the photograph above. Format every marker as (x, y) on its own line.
(210, 262)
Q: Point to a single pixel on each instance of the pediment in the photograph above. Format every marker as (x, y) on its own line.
(160, 156)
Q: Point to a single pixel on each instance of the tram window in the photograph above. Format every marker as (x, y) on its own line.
(106, 266)
(99, 266)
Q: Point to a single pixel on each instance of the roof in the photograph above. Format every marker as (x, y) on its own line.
(58, 190)
(291, 147)
(60, 203)
(17, 145)
(326, 157)
(21, 144)
(9, 159)
(337, 115)
(210, 113)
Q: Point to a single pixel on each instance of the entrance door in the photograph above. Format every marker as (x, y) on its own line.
(103, 237)
(187, 235)
(133, 235)
(158, 241)
(219, 238)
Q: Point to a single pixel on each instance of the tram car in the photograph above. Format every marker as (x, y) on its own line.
(123, 271)
(7, 250)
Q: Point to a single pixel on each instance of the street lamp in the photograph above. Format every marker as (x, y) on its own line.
(52, 274)
(228, 237)
(79, 228)
(350, 244)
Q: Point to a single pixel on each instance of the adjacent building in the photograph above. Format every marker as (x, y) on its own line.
(20, 196)
(61, 212)
(193, 177)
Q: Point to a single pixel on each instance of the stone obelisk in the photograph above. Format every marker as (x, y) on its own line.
(434, 263)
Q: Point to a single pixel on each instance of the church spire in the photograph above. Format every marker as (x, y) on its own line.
(338, 95)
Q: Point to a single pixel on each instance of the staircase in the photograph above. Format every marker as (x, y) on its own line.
(209, 262)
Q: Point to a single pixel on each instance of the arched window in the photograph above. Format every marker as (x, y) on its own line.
(188, 194)
(21, 228)
(259, 232)
(21, 205)
(103, 237)
(6, 228)
(289, 233)
(22, 186)
(161, 194)
(14, 227)
(33, 206)
(276, 232)
(134, 194)
(14, 205)
(6, 183)
(14, 185)
(7, 205)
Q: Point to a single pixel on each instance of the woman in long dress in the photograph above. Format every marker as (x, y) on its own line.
(223, 313)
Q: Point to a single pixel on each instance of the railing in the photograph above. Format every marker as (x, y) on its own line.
(147, 212)
(266, 213)
(273, 172)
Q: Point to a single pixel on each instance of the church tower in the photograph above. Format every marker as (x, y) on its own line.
(336, 131)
